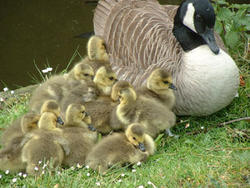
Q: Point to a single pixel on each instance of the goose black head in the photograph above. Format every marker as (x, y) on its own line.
(198, 18)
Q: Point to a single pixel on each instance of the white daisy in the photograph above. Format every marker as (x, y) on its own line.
(119, 180)
(24, 175)
(98, 183)
(7, 172)
(12, 92)
(133, 170)
(14, 180)
(49, 69)
(20, 174)
(88, 174)
(36, 168)
(5, 89)
(87, 166)
(44, 70)
(122, 175)
(139, 163)
(78, 165)
(202, 127)
(141, 186)
(44, 166)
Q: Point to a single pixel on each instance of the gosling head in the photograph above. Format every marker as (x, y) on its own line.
(29, 122)
(76, 115)
(53, 107)
(48, 121)
(123, 91)
(160, 81)
(105, 78)
(135, 134)
(96, 48)
(83, 71)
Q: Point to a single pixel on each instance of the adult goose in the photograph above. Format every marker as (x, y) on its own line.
(144, 35)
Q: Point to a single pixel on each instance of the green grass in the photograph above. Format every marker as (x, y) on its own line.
(215, 156)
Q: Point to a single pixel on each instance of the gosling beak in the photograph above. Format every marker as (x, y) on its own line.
(142, 147)
(92, 77)
(208, 36)
(60, 121)
(172, 86)
(86, 113)
(91, 128)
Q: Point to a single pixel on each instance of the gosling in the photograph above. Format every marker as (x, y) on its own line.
(120, 148)
(45, 143)
(56, 86)
(160, 87)
(97, 55)
(80, 134)
(10, 156)
(100, 108)
(132, 108)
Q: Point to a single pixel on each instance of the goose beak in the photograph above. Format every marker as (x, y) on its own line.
(91, 128)
(142, 147)
(208, 36)
(60, 121)
(172, 86)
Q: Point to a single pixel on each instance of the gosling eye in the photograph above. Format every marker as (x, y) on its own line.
(134, 138)
(83, 112)
(86, 74)
(111, 78)
(165, 82)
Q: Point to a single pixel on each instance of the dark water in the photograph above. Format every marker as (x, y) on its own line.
(42, 31)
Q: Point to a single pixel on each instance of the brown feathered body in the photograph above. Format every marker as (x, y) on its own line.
(139, 38)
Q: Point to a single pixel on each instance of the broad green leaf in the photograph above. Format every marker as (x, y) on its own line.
(219, 27)
(232, 39)
(225, 14)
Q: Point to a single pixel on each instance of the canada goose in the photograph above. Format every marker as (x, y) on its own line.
(160, 87)
(10, 155)
(142, 35)
(96, 53)
(56, 86)
(121, 148)
(45, 143)
(137, 108)
(77, 131)
(100, 108)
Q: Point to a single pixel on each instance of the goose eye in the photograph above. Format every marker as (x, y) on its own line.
(198, 17)
(165, 82)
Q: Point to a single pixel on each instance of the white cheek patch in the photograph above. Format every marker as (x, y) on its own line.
(189, 17)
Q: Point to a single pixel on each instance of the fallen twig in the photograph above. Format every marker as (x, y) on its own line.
(234, 120)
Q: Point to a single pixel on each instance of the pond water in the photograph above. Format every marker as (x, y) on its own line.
(42, 32)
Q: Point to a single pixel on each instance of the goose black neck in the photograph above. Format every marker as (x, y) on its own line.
(188, 39)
